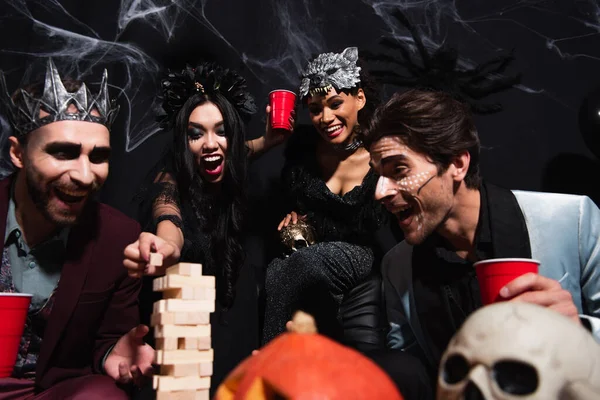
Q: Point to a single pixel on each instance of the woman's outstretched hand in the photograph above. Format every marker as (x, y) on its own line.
(137, 255)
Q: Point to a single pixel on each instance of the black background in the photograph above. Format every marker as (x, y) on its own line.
(536, 143)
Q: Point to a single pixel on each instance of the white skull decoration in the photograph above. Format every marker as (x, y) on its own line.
(510, 351)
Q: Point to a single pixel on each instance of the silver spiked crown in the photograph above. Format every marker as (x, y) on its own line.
(24, 112)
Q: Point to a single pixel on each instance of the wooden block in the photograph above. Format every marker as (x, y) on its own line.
(178, 395)
(179, 281)
(169, 343)
(202, 395)
(156, 259)
(187, 343)
(190, 293)
(174, 343)
(171, 383)
(180, 370)
(181, 331)
(204, 343)
(186, 269)
(186, 293)
(194, 343)
(183, 395)
(206, 369)
(203, 369)
(175, 305)
(173, 357)
(180, 318)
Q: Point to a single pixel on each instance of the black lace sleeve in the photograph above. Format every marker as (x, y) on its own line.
(166, 194)
(158, 190)
(166, 205)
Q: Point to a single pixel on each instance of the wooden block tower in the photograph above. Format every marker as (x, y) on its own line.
(181, 322)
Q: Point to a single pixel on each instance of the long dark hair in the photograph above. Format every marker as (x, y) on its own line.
(218, 213)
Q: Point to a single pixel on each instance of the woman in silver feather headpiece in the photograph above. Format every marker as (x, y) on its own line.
(332, 86)
(330, 187)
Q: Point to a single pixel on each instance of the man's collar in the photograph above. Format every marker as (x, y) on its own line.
(12, 224)
(483, 233)
(501, 230)
(63, 235)
(11, 217)
(508, 229)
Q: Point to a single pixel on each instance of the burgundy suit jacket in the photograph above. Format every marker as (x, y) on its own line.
(96, 302)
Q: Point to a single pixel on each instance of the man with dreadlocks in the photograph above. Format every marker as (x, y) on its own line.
(81, 334)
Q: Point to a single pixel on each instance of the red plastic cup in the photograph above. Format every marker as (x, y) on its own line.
(282, 104)
(495, 273)
(13, 311)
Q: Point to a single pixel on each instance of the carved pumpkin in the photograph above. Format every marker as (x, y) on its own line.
(302, 364)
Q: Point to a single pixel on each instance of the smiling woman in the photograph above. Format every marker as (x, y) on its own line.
(330, 186)
(207, 141)
(198, 197)
(204, 179)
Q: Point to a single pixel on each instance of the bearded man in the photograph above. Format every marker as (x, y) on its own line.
(81, 335)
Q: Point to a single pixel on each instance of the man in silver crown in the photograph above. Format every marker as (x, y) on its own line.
(82, 335)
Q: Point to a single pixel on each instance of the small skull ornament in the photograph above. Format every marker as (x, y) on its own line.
(510, 351)
(297, 236)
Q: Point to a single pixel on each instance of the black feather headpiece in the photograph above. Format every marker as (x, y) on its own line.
(206, 78)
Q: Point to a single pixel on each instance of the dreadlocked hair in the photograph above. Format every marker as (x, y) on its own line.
(440, 70)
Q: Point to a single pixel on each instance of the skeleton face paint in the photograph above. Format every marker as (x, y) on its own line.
(410, 188)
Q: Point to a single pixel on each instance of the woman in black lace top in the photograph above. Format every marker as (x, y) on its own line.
(330, 185)
(197, 199)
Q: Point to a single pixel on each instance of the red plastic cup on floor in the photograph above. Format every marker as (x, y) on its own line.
(13, 311)
(282, 104)
(495, 273)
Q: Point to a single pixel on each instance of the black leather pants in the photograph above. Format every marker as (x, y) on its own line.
(333, 282)
(408, 373)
